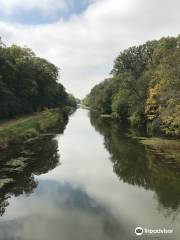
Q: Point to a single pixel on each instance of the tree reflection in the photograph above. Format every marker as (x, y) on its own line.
(136, 164)
(19, 164)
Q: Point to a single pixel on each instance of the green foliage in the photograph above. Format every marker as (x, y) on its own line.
(100, 97)
(145, 87)
(28, 83)
(134, 60)
(136, 120)
(71, 101)
(120, 108)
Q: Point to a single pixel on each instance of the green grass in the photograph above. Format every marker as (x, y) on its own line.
(27, 127)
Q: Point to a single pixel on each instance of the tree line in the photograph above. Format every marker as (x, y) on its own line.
(28, 83)
(144, 89)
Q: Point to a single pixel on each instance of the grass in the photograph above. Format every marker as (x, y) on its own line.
(27, 127)
(3, 182)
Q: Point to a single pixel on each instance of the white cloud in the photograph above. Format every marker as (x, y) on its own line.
(85, 46)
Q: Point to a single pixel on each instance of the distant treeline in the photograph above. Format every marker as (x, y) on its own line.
(145, 87)
(28, 83)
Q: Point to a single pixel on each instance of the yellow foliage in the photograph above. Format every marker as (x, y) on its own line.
(152, 106)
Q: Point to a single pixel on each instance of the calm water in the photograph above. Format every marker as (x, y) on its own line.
(90, 183)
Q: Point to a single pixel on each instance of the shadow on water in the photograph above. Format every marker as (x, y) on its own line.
(136, 164)
(20, 163)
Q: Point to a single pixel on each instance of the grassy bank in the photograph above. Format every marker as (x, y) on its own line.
(165, 147)
(19, 129)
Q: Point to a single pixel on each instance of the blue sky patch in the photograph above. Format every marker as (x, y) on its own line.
(35, 16)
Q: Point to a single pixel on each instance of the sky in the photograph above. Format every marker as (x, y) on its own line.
(83, 37)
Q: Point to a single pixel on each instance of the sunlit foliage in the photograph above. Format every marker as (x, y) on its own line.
(145, 87)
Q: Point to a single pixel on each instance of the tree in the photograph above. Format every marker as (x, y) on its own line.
(145, 87)
(28, 83)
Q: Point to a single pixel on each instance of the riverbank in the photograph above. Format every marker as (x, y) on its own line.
(20, 129)
(169, 148)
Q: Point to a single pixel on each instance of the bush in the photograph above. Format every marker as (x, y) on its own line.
(136, 120)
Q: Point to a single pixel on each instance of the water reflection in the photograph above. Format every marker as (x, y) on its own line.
(70, 213)
(137, 164)
(20, 163)
(84, 198)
